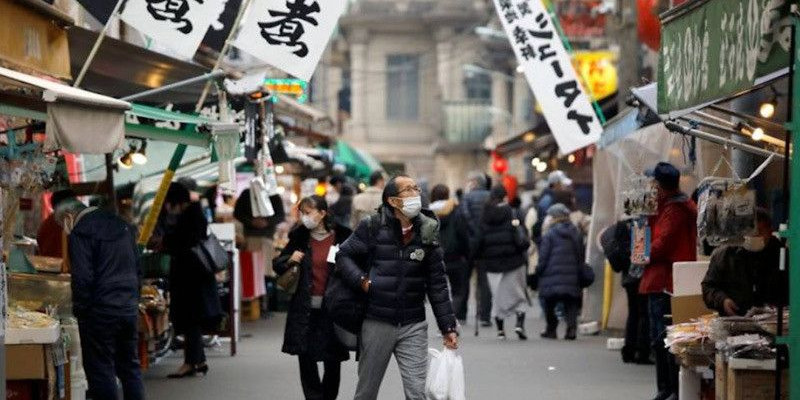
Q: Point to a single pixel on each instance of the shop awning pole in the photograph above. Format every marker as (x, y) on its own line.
(96, 46)
(673, 126)
(202, 78)
(793, 339)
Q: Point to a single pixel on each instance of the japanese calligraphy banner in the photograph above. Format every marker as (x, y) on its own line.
(548, 69)
(720, 48)
(289, 34)
(179, 25)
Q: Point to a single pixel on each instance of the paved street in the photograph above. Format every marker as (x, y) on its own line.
(495, 370)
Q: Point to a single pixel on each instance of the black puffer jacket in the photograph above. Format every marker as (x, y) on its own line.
(105, 266)
(560, 261)
(401, 274)
(298, 333)
(500, 247)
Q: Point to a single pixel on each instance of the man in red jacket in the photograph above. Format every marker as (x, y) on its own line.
(674, 233)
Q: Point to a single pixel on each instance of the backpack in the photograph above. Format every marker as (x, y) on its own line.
(346, 306)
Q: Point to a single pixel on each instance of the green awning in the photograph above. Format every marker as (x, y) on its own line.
(359, 164)
(188, 136)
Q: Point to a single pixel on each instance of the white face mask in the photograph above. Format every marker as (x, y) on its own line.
(412, 206)
(309, 222)
(754, 243)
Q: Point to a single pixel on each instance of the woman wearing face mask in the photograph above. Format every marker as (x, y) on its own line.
(194, 301)
(502, 251)
(309, 332)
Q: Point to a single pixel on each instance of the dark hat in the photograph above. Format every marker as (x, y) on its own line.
(666, 175)
(498, 192)
(177, 194)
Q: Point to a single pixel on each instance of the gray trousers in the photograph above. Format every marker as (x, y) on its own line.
(409, 344)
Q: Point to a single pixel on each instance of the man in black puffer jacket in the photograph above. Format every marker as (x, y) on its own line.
(105, 270)
(405, 264)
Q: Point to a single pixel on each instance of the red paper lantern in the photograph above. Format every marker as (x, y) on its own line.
(649, 24)
(499, 164)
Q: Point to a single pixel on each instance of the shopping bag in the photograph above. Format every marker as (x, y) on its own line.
(445, 376)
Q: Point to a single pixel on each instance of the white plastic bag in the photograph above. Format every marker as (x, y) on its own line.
(445, 376)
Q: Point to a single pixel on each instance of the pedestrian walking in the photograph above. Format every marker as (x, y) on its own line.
(397, 261)
(340, 200)
(194, 301)
(105, 296)
(561, 255)
(674, 233)
(455, 244)
(367, 203)
(502, 252)
(309, 331)
(472, 209)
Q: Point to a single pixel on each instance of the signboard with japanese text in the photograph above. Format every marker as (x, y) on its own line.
(289, 34)
(548, 69)
(179, 25)
(719, 49)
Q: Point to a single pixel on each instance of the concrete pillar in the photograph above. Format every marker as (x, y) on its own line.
(359, 89)
(501, 116)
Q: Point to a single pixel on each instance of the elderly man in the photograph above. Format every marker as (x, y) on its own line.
(405, 264)
(105, 297)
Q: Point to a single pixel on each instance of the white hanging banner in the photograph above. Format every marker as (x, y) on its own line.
(289, 34)
(550, 74)
(179, 25)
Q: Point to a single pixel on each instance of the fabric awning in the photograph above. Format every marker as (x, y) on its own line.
(357, 165)
(77, 120)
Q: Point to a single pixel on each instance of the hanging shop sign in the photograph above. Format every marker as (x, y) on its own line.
(580, 19)
(599, 71)
(548, 69)
(289, 34)
(179, 25)
(293, 87)
(37, 45)
(719, 49)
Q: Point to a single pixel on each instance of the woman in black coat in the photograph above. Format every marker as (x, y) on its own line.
(194, 301)
(309, 332)
(502, 251)
(560, 262)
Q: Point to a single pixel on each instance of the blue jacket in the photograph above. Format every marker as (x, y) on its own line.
(104, 264)
(561, 257)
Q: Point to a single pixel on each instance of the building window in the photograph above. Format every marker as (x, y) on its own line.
(478, 86)
(402, 87)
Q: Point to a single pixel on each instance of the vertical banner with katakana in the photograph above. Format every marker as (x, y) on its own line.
(289, 34)
(548, 69)
(179, 25)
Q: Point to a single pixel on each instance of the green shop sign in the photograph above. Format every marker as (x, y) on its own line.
(713, 49)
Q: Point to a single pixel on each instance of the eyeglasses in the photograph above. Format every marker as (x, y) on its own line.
(414, 188)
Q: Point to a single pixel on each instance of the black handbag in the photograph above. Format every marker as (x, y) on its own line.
(211, 255)
(585, 276)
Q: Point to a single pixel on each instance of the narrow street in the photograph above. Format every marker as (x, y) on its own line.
(535, 369)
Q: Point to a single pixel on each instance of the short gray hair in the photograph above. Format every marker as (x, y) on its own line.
(478, 177)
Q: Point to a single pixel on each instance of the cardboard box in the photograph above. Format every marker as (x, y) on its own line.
(26, 361)
(687, 308)
(748, 384)
(720, 377)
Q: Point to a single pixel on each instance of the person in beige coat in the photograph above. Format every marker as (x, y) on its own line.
(366, 204)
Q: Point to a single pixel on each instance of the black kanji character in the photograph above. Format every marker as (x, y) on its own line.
(289, 24)
(582, 120)
(544, 54)
(557, 68)
(542, 34)
(510, 16)
(543, 22)
(172, 10)
(569, 91)
(528, 52)
(504, 4)
(520, 36)
(524, 9)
